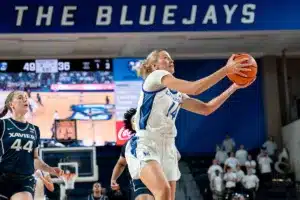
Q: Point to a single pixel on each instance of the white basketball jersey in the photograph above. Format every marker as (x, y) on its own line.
(39, 186)
(158, 107)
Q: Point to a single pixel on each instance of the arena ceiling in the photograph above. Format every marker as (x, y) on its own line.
(181, 45)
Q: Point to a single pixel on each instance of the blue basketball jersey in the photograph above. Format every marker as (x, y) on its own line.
(17, 143)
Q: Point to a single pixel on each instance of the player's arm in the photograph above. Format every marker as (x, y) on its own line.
(39, 163)
(48, 182)
(118, 169)
(201, 85)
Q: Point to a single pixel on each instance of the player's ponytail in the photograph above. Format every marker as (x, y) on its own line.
(146, 66)
(4, 111)
(142, 70)
(6, 105)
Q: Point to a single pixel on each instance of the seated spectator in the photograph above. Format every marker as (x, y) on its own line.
(251, 184)
(228, 144)
(230, 179)
(265, 168)
(241, 155)
(221, 156)
(232, 162)
(250, 164)
(217, 186)
(97, 193)
(213, 168)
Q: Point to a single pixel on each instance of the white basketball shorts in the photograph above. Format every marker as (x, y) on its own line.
(140, 150)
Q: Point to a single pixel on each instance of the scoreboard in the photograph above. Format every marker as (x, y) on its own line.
(55, 65)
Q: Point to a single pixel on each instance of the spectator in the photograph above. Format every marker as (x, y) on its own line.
(261, 154)
(97, 193)
(251, 184)
(232, 162)
(270, 146)
(250, 164)
(217, 186)
(265, 168)
(230, 178)
(221, 156)
(240, 175)
(213, 168)
(228, 144)
(241, 156)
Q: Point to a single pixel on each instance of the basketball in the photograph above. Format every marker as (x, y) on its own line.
(250, 74)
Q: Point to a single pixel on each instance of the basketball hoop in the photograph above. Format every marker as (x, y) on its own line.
(69, 180)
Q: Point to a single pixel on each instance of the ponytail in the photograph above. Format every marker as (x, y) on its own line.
(6, 105)
(4, 111)
(142, 70)
(146, 65)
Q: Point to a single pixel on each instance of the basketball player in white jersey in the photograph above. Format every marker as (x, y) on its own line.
(151, 154)
(43, 179)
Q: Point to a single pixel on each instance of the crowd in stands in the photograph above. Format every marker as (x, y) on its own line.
(234, 174)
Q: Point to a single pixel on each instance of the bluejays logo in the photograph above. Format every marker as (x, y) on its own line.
(3, 66)
(133, 66)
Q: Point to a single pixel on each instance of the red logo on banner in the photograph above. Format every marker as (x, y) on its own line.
(122, 134)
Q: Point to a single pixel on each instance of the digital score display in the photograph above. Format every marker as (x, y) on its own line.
(55, 65)
(65, 130)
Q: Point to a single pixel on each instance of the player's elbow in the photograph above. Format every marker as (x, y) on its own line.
(191, 89)
(122, 162)
(50, 186)
(207, 109)
(51, 189)
(197, 88)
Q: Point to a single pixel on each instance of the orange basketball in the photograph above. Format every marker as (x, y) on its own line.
(240, 80)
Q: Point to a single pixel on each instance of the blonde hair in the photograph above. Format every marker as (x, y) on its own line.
(147, 65)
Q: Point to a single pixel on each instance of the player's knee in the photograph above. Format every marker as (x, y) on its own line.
(164, 192)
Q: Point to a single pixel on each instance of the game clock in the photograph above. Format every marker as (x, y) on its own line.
(55, 65)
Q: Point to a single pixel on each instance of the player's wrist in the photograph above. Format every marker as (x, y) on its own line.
(228, 69)
(48, 169)
(232, 89)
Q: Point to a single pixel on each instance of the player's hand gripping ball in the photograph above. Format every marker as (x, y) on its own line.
(249, 63)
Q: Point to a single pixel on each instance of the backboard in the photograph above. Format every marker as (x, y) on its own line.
(80, 159)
